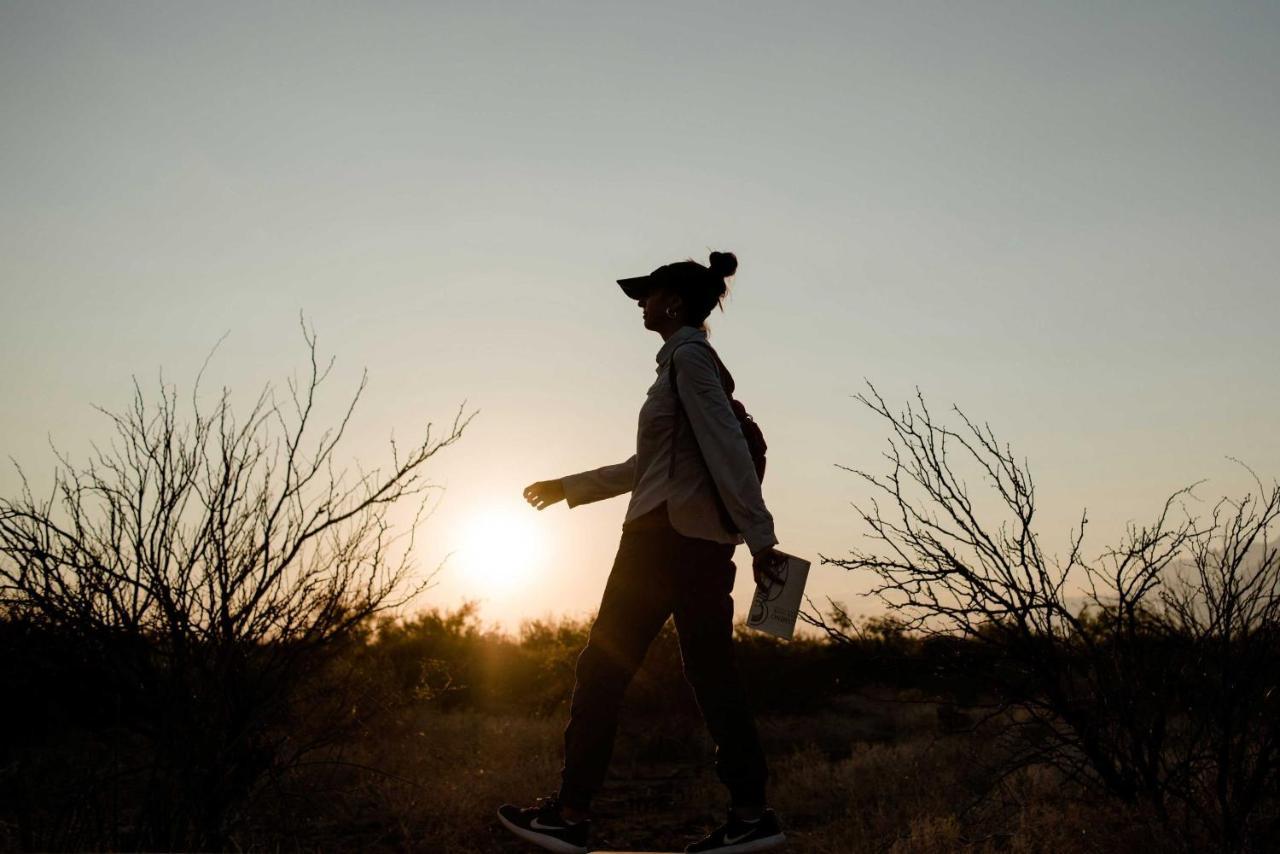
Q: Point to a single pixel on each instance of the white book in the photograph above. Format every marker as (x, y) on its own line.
(776, 605)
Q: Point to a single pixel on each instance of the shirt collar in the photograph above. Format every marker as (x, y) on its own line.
(681, 335)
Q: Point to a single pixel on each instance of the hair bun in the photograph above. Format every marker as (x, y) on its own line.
(723, 264)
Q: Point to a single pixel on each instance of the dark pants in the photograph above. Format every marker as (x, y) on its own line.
(658, 572)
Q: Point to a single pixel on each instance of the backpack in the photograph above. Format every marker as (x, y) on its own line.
(750, 429)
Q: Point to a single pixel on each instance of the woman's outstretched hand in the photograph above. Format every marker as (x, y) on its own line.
(767, 565)
(544, 493)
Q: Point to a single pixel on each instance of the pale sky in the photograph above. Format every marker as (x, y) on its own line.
(1063, 217)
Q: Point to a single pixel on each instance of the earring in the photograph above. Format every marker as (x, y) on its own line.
(671, 314)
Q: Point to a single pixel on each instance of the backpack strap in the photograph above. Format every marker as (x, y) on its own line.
(726, 382)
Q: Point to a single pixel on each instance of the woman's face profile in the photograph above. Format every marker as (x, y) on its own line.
(654, 307)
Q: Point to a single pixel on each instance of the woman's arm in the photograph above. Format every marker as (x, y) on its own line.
(599, 484)
(722, 444)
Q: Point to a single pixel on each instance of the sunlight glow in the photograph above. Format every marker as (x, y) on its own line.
(502, 550)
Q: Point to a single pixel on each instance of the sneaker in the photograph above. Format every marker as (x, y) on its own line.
(543, 825)
(738, 836)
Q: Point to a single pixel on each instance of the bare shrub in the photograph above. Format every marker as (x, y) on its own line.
(1149, 673)
(185, 590)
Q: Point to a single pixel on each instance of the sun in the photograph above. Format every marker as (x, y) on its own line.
(502, 549)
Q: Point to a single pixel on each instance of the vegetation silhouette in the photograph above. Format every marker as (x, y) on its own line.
(184, 685)
(1160, 689)
(177, 608)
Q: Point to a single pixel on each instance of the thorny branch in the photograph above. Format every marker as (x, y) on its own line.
(1149, 672)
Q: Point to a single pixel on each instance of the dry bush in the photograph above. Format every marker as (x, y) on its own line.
(1161, 690)
(179, 602)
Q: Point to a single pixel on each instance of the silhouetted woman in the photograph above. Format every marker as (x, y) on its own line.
(675, 557)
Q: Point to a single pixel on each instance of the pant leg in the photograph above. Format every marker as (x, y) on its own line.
(637, 601)
(704, 620)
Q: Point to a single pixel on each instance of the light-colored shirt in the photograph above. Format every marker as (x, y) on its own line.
(713, 456)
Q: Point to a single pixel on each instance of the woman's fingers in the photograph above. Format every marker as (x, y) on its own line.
(767, 564)
(542, 494)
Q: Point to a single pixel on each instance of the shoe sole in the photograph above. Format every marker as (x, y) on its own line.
(542, 840)
(750, 847)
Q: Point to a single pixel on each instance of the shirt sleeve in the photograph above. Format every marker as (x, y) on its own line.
(599, 484)
(722, 444)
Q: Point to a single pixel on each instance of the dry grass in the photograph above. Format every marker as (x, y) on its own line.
(876, 775)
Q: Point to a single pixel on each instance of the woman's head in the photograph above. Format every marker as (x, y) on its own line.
(683, 293)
